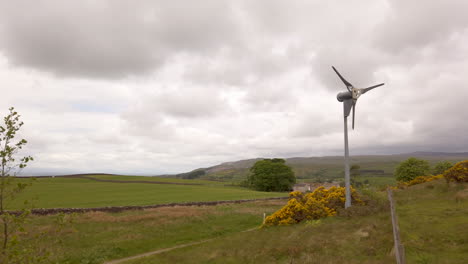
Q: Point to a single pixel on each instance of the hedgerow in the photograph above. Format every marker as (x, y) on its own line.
(317, 204)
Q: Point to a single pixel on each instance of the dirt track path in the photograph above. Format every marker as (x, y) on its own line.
(159, 251)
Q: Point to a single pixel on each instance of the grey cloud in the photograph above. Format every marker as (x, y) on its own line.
(405, 34)
(164, 116)
(183, 102)
(243, 65)
(142, 122)
(233, 80)
(110, 39)
(358, 64)
(190, 104)
(270, 97)
(314, 125)
(413, 25)
(444, 122)
(109, 139)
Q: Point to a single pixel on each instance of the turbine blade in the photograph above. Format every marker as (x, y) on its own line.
(354, 110)
(365, 90)
(348, 84)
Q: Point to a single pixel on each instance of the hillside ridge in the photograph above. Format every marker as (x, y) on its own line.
(322, 167)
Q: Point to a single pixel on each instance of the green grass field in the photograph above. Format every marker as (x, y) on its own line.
(433, 224)
(156, 179)
(377, 181)
(96, 237)
(434, 228)
(76, 192)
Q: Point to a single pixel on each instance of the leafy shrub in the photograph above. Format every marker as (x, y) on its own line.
(441, 167)
(411, 168)
(458, 173)
(315, 205)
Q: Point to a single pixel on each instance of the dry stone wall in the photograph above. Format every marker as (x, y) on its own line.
(116, 209)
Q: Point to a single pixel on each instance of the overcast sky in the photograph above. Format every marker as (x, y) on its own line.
(150, 87)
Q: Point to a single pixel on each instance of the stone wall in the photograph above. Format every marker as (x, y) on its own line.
(115, 209)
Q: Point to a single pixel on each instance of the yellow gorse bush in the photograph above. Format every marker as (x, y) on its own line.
(419, 180)
(317, 204)
(458, 173)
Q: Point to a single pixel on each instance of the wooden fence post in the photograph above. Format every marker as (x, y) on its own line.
(399, 249)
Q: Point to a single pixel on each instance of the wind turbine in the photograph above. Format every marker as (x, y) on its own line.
(349, 99)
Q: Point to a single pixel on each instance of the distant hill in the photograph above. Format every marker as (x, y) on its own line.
(322, 168)
(437, 154)
(228, 171)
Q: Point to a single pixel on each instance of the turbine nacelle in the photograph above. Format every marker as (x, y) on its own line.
(344, 96)
(354, 94)
(350, 97)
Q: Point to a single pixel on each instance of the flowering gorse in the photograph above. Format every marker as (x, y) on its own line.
(419, 180)
(458, 173)
(315, 205)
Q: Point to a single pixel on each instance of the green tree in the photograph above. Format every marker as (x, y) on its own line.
(9, 188)
(412, 168)
(271, 175)
(441, 167)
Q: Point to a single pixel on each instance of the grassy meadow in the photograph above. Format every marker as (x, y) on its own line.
(156, 179)
(96, 237)
(82, 193)
(433, 225)
(376, 181)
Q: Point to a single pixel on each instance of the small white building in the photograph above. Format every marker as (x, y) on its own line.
(302, 187)
(310, 187)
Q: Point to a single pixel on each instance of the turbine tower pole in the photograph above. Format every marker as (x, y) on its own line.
(349, 99)
(346, 161)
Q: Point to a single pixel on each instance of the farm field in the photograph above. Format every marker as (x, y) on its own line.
(377, 181)
(429, 214)
(155, 179)
(97, 237)
(83, 193)
(433, 225)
